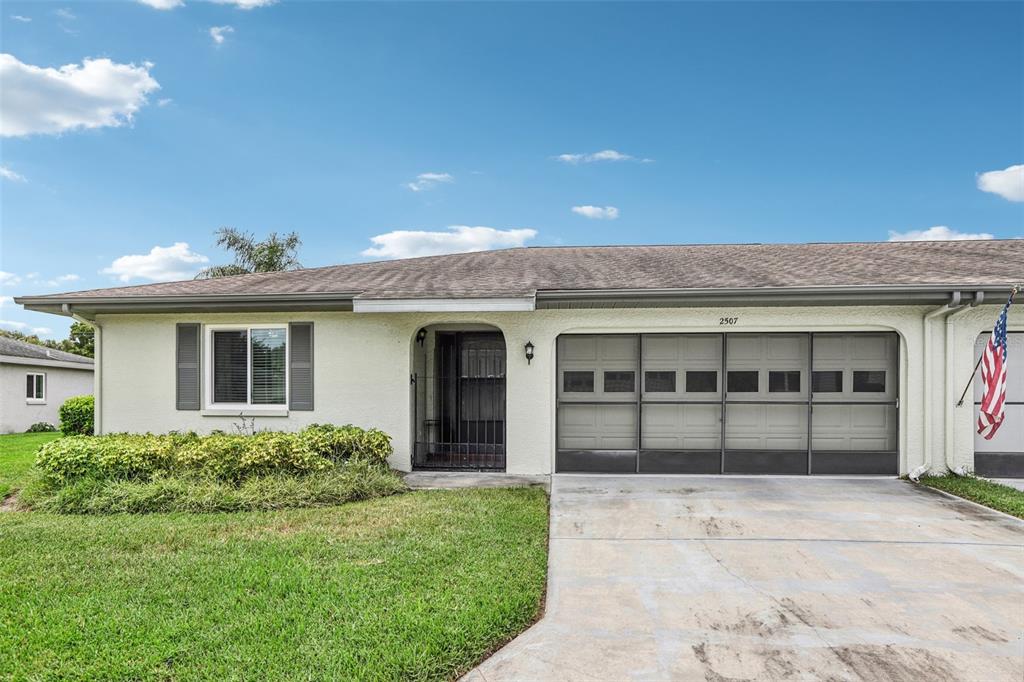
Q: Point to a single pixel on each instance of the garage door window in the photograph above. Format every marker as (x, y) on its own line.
(784, 382)
(827, 382)
(699, 381)
(869, 382)
(619, 382)
(661, 382)
(743, 382)
(578, 382)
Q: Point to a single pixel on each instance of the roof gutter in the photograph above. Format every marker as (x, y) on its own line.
(190, 303)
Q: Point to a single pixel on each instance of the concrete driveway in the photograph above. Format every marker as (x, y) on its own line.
(723, 578)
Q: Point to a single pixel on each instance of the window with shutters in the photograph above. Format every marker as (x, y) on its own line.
(247, 366)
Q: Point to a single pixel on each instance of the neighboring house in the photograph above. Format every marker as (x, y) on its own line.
(35, 381)
(745, 358)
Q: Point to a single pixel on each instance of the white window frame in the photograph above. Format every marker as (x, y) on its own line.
(247, 406)
(36, 401)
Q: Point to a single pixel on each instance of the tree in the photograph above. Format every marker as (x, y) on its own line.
(270, 255)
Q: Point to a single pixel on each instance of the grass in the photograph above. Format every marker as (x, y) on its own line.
(417, 586)
(17, 453)
(994, 495)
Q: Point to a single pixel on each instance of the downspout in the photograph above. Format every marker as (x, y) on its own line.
(953, 305)
(950, 408)
(97, 379)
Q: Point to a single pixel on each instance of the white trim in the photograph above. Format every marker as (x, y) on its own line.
(41, 362)
(33, 400)
(247, 407)
(442, 305)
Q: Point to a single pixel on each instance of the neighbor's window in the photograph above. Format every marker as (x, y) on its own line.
(869, 381)
(35, 386)
(249, 366)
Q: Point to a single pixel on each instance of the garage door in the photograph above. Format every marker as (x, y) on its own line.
(728, 403)
(1004, 454)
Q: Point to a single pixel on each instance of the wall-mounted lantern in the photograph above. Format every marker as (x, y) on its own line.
(421, 335)
(529, 351)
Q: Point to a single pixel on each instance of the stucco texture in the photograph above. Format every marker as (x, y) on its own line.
(17, 414)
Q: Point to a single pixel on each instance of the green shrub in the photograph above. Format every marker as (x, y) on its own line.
(76, 415)
(348, 482)
(221, 457)
(41, 427)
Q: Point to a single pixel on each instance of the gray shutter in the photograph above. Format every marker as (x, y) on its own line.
(300, 341)
(187, 381)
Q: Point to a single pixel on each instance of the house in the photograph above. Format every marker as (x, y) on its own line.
(736, 359)
(35, 381)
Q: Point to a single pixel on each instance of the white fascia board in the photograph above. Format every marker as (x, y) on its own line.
(40, 362)
(442, 305)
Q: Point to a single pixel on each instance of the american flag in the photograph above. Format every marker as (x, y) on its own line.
(993, 377)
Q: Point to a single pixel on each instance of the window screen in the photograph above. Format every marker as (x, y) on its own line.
(268, 366)
(787, 381)
(578, 382)
(34, 386)
(619, 382)
(742, 381)
(660, 382)
(872, 381)
(830, 381)
(703, 381)
(230, 366)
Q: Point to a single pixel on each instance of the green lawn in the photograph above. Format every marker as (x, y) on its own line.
(1001, 497)
(17, 453)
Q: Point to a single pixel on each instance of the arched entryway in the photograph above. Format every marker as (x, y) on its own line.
(458, 385)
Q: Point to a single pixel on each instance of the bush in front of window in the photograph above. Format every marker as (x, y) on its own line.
(220, 456)
(76, 415)
(41, 427)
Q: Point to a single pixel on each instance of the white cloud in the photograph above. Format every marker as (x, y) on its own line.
(22, 19)
(597, 212)
(6, 300)
(8, 174)
(164, 101)
(603, 155)
(62, 279)
(245, 4)
(939, 233)
(219, 33)
(457, 239)
(428, 180)
(161, 264)
(65, 13)
(94, 94)
(8, 278)
(162, 4)
(1007, 183)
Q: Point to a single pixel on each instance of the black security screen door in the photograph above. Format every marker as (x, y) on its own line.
(460, 402)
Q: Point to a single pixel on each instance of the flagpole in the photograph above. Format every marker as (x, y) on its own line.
(959, 403)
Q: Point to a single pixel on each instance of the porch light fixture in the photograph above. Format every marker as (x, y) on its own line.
(421, 335)
(529, 351)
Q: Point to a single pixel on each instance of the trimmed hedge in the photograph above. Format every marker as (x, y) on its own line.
(223, 457)
(76, 415)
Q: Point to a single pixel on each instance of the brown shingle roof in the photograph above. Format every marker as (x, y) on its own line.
(523, 271)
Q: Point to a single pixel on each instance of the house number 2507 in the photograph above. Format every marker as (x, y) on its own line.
(728, 320)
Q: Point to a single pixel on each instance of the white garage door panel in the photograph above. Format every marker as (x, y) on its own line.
(869, 428)
(597, 427)
(1010, 436)
(766, 427)
(682, 427)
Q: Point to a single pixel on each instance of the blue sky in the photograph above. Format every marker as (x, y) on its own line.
(727, 122)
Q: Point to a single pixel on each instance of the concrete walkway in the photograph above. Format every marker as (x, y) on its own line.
(722, 578)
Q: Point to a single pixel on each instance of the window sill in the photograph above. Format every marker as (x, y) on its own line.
(33, 401)
(221, 412)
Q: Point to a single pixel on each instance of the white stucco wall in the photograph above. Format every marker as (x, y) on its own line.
(364, 361)
(17, 414)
